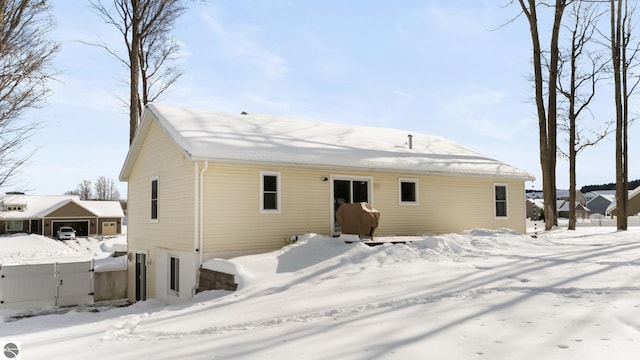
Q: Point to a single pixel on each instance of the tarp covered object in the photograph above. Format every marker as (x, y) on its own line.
(358, 218)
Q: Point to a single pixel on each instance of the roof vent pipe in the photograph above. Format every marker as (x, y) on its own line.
(410, 141)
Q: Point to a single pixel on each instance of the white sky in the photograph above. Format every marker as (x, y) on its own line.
(439, 67)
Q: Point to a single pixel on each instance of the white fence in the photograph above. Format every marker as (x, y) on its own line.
(46, 285)
(631, 221)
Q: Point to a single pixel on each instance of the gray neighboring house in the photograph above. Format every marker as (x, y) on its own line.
(45, 214)
(599, 203)
(535, 209)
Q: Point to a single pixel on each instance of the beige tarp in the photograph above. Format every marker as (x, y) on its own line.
(359, 218)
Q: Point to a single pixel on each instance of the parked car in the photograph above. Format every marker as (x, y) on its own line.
(66, 233)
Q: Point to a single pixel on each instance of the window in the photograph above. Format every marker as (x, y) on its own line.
(14, 225)
(500, 196)
(14, 208)
(270, 192)
(154, 199)
(174, 274)
(408, 189)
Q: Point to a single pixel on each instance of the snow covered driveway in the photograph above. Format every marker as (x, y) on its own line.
(479, 295)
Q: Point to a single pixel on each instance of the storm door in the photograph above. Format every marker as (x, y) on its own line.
(141, 276)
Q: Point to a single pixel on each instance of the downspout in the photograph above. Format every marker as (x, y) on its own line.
(195, 209)
(201, 222)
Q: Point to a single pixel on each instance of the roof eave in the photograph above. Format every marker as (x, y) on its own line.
(196, 158)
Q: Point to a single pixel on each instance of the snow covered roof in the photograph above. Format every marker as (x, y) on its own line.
(38, 206)
(632, 193)
(268, 139)
(103, 208)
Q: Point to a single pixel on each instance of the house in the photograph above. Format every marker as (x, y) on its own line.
(535, 209)
(633, 204)
(44, 214)
(599, 202)
(209, 184)
(582, 212)
(564, 195)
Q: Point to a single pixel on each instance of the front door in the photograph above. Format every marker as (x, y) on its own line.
(141, 276)
(346, 191)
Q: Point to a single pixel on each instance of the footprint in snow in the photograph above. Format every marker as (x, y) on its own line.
(562, 346)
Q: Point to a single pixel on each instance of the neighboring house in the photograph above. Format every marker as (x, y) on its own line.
(599, 203)
(208, 184)
(582, 212)
(633, 204)
(535, 209)
(44, 214)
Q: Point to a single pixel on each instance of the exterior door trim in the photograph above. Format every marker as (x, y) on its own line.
(332, 210)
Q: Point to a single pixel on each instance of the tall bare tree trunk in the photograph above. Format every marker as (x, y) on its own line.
(134, 68)
(546, 121)
(145, 26)
(618, 58)
(552, 122)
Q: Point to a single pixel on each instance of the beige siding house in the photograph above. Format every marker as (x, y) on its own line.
(633, 204)
(207, 184)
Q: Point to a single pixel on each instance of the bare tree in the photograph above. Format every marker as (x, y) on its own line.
(106, 189)
(585, 68)
(26, 56)
(84, 190)
(145, 26)
(623, 56)
(547, 114)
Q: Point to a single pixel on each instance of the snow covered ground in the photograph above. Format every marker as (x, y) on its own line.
(478, 295)
(37, 249)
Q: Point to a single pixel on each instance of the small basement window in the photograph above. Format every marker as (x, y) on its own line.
(408, 189)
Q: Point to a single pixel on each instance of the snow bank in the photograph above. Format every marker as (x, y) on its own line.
(111, 264)
(35, 249)
(21, 248)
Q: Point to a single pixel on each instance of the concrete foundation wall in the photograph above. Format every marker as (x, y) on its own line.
(214, 280)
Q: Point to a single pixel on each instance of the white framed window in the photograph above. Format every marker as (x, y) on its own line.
(500, 201)
(408, 191)
(270, 193)
(174, 274)
(154, 199)
(14, 225)
(14, 208)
